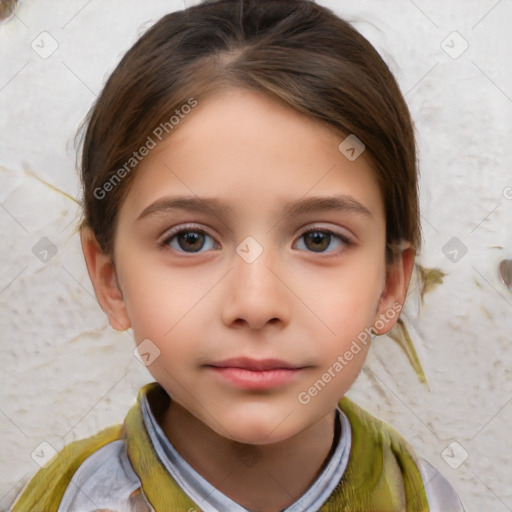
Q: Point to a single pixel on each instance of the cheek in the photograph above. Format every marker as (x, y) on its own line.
(153, 298)
(161, 314)
(345, 302)
(344, 299)
(167, 307)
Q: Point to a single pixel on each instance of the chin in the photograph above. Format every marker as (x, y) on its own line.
(258, 437)
(257, 430)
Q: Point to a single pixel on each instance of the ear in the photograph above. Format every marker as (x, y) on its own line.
(104, 280)
(398, 276)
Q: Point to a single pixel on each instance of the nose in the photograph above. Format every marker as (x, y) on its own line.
(255, 295)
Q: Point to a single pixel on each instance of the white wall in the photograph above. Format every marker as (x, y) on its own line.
(66, 374)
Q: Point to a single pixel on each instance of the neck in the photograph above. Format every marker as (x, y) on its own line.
(261, 478)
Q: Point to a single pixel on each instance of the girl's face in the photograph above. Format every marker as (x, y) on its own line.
(250, 253)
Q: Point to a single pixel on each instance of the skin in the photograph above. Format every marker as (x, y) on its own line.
(300, 301)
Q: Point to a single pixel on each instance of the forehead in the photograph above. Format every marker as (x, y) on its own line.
(252, 150)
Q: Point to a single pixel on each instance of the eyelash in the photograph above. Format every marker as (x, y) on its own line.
(191, 228)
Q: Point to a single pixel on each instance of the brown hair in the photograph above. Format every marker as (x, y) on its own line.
(295, 51)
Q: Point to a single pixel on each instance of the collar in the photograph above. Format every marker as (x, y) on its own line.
(167, 479)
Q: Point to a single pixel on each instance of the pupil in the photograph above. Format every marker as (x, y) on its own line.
(320, 241)
(191, 240)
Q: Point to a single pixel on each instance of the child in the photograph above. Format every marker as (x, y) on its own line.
(271, 138)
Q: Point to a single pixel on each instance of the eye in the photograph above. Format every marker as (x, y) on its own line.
(189, 240)
(322, 241)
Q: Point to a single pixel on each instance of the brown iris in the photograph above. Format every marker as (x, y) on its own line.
(317, 241)
(192, 240)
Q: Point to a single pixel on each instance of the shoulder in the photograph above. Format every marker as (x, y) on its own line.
(440, 494)
(105, 480)
(47, 487)
(367, 428)
(373, 438)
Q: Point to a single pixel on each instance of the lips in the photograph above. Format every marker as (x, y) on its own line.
(255, 364)
(256, 375)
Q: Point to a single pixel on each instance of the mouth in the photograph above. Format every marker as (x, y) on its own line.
(246, 363)
(253, 374)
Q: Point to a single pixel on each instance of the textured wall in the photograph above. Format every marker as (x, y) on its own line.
(66, 374)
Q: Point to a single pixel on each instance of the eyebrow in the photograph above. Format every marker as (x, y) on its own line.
(340, 203)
